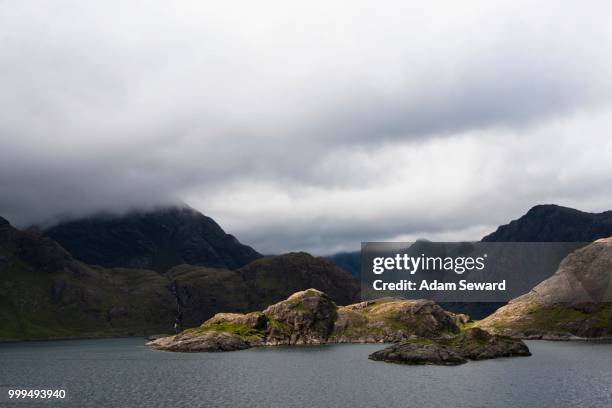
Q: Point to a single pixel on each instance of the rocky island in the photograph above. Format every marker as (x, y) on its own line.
(425, 333)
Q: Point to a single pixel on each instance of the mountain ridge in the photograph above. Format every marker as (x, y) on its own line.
(554, 223)
(156, 239)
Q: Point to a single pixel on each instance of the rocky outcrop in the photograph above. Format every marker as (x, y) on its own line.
(390, 320)
(311, 317)
(304, 318)
(473, 344)
(427, 334)
(203, 341)
(575, 303)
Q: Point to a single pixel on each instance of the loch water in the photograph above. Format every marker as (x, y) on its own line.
(125, 373)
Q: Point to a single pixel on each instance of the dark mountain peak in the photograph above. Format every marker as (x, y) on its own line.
(554, 223)
(33, 248)
(554, 210)
(8, 234)
(548, 208)
(41, 252)
(154, 239)
(6, 229)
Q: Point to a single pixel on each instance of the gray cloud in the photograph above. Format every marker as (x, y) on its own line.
(306, 127)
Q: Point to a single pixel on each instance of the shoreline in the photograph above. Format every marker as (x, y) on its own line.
(50, 339)
(604, 340)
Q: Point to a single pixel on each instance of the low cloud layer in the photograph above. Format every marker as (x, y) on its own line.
(309, 127)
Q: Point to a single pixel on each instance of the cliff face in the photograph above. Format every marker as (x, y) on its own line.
(155, 240)
(576, 302)
(311, 317)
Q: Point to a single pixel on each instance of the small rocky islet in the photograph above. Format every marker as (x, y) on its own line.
(472, 344)
(420, 330)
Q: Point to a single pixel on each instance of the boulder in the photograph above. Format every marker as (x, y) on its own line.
(306, 317)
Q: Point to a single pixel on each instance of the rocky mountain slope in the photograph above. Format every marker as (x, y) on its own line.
(157, 240)
(576, 302)
(46, 293)
(553, 223)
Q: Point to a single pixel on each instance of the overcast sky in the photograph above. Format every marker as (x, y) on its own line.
(309, 126)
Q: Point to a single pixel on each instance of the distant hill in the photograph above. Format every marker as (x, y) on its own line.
(553, 223)
(270, 279)
(349, 261)
(157, 240)
(203, 291)
(542, 223)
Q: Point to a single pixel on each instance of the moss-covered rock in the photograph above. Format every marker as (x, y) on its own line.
(306, 317)
(390, 319)
(311, 317)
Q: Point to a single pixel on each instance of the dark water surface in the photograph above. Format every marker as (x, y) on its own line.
(125, 373)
